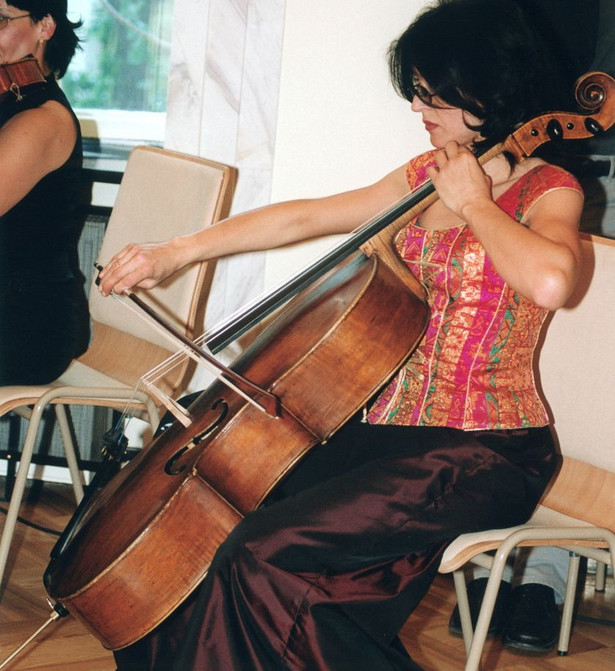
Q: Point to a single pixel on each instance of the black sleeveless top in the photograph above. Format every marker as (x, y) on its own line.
(43, 308)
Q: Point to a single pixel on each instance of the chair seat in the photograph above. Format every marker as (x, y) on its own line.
(467, 546)
(77, 375)
(85, 376)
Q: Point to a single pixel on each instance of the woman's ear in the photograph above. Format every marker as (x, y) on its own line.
(46, 27)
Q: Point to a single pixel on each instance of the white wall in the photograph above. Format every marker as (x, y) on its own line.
(340, 124)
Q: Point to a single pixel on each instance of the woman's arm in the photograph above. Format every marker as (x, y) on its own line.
(540, 260)
(146, 265)
(32, 144)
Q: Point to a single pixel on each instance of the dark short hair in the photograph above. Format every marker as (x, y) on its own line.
(62, 46)
(483, 57)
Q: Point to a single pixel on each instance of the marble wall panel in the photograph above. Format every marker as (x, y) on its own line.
(223, 96)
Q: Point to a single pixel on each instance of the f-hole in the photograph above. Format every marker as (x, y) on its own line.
(172, 467)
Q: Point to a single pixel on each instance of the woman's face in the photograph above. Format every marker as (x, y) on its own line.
(21, 37)
(442, 122)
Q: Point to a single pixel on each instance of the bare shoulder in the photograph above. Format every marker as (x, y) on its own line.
(47, 131)
(33, 143)
(528, 165)
(49, 120)
(524, 167)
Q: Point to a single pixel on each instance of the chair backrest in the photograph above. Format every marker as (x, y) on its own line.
(163, 194)
(577, 375)
(577, 361)
(583, 492)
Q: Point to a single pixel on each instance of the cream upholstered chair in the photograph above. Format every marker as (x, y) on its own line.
(162, 194)
(577, 374)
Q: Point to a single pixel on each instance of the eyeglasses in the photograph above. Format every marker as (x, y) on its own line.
(4, 20)
(423, 94)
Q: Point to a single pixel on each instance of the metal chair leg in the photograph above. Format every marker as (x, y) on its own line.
(491, 592)
(600, 581)
(70, 452)
(20, 485)
(569, 599)
(464, 608)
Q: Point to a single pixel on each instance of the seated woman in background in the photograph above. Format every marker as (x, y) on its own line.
(323, 577)
(44, 320)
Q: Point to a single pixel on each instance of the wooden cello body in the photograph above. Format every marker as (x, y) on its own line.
(149, 536)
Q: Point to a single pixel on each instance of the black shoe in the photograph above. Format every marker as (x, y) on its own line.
(533, 620)
(476, 592)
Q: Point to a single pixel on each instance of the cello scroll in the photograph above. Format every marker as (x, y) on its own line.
(594, 92)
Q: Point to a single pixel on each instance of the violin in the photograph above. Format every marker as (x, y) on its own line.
(19, 76)
(146, 539)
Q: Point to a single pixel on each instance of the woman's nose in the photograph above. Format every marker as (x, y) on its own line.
(417, 104)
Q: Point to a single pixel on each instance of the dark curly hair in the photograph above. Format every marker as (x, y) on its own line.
(481, 56)
(62, 46)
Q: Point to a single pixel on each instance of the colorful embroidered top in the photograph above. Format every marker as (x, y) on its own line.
(473, 368)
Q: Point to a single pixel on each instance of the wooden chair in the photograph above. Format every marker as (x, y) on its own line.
(162, 194)
(577, 513)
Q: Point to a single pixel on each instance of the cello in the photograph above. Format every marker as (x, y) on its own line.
(147, 539)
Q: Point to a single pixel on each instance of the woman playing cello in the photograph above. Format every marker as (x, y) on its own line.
(325, 574)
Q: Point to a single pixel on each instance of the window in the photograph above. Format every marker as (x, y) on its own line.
(117, 83)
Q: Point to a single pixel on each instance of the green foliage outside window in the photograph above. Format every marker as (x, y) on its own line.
(126, 54)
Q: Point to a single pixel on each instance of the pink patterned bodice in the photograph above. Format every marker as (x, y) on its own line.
(473, 368)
